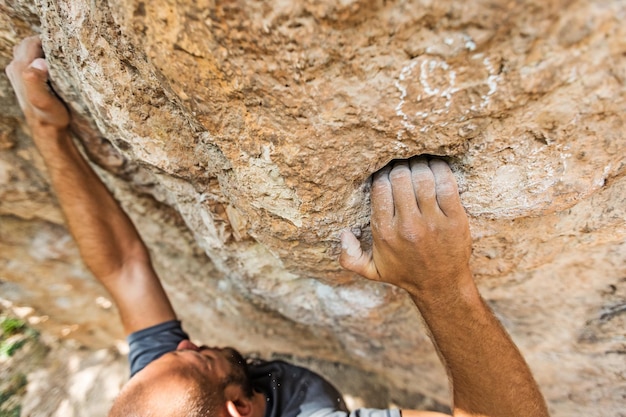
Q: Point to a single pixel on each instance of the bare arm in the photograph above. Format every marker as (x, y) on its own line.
(422, 243)
(109, 243)
(416, 413)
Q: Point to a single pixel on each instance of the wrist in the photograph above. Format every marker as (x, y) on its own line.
(44, 134)
(47, 130)
(455, 287)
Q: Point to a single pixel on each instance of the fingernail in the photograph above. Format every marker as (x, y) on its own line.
(349, 246)
(343, 238)
(39, 64)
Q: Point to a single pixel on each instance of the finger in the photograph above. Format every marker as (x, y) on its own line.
(404, 200)
(29, 78)
(424, 186)
(382, 200)
(10, 72)
(35, 78)
(354, 259)
(47, 105)
(29, 49)
(446, 188)
(13, 73)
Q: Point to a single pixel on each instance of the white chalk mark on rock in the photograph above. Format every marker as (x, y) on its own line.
(470, 45)
(437, 81)
(492, 82)
(406, 71)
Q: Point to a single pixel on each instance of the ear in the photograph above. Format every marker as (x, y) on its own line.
(237, 404)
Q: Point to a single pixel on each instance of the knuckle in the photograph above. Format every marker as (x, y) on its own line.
(41, 103)
(446, 189)
(423, 179)
(460, 224)
(426, 193)
(409, 231)
(380, 186)
(434, 226)
(345, 261)
(29, 75)
(409, 235)
(385, 239)
(399, 172)
(378, 229)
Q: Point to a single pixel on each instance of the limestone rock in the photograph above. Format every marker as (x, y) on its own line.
(241, 135)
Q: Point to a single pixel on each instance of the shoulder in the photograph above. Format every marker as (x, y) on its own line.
(295, 391)
(151, 343)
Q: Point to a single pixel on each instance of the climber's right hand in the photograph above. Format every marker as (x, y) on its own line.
(420, 232)
(28, 74)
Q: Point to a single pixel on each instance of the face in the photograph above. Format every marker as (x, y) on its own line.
(223, 366)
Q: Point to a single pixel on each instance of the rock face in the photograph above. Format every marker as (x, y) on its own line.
(240, 136)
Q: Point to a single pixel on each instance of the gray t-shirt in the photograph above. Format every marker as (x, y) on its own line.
(291, 391)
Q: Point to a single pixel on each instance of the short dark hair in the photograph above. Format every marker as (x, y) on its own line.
(201, 398)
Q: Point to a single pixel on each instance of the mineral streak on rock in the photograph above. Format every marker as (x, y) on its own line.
(248, 131)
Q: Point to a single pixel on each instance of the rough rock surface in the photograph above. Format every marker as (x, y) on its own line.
(240, 135)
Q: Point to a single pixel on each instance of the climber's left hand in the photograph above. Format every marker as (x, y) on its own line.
(28, 74)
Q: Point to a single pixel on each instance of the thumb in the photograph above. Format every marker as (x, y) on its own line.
(354, 259)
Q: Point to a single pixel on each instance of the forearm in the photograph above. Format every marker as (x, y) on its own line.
(488, 374)
(422, 243)
(109, 243)
(105, 235)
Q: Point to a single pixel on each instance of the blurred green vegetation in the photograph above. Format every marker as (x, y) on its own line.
(15, 334)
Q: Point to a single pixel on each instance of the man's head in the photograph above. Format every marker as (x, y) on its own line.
(189, 382)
